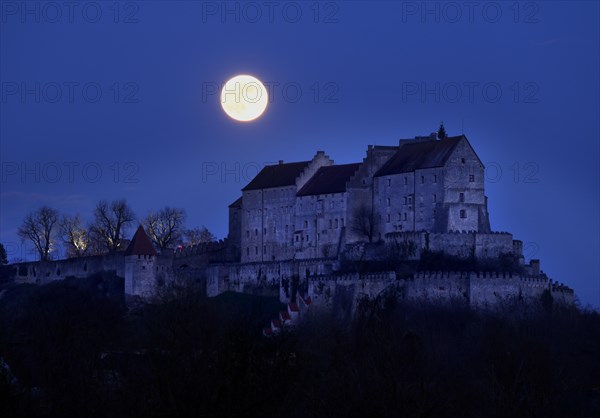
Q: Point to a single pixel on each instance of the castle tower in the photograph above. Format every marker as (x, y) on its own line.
(140, 266)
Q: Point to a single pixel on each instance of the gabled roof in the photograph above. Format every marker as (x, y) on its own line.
(329, 179)
(426, 154)
(140, 244)
(237, 203)
(278, 175)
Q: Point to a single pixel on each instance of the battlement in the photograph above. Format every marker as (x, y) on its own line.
(199, 249)
(347, 277)
(440, 274)
(556, 287)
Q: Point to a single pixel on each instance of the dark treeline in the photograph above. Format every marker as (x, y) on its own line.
(71, 348)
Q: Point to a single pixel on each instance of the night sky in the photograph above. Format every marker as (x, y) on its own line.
(111, 100)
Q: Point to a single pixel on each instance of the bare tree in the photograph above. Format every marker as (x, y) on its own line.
(198, 235)
(364, 222)
(74, 235)
(110, 223)
(38, 227)
(165, 227)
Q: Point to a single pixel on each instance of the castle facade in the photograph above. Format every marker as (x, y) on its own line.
(313, 209)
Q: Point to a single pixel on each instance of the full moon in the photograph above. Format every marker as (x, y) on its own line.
(244, 98)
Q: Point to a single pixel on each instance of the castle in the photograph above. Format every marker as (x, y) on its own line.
(313, 209)
(308, 231)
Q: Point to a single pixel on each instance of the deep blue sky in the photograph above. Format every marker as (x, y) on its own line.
(539, 140)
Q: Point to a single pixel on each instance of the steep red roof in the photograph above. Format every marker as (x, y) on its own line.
(426, 154)
(329, 179)
(278, 175)
(140, 244)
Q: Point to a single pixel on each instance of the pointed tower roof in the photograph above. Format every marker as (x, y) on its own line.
(140, 244)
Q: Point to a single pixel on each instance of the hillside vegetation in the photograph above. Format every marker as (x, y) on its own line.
(72, 348)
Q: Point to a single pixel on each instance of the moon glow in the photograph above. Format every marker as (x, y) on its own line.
(244, 98)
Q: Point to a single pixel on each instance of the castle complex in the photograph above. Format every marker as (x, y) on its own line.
(308, 231)
(313, 209)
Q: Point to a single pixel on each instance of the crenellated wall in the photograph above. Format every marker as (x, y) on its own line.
(460, 243)
(318, 279)
(41, 272)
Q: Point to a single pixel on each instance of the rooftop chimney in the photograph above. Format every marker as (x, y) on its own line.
(280, 162)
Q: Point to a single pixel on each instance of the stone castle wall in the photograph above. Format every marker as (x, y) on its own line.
(317, 279)
(42, 272)
(481, 290)
(461, 244)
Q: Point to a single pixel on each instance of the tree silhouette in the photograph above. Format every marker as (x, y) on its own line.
(165, 227)
(75, 236)
(198, 235)
(3, 256)
(110, 222)
(442, 131)
(364, 222)
(38, 227)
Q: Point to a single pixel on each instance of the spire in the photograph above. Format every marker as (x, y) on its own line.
(442, 131)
